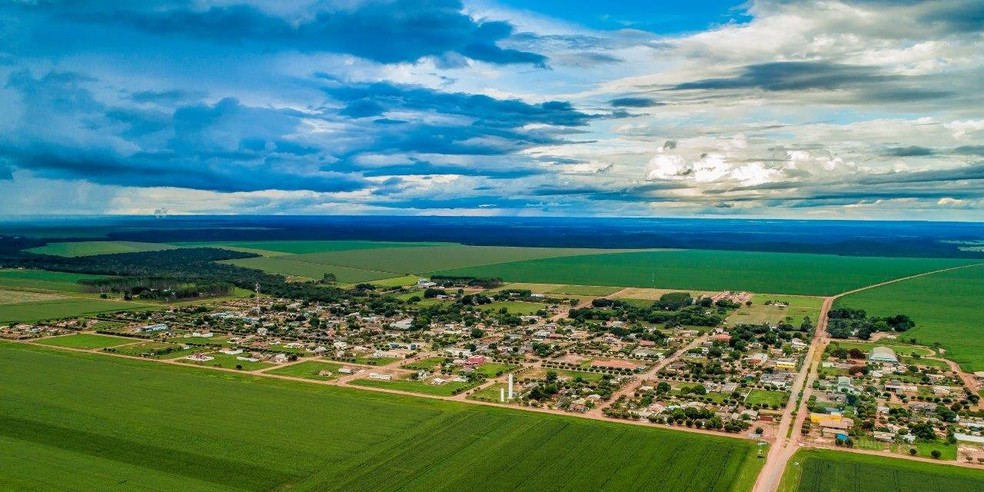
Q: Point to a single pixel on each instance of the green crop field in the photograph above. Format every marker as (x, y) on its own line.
(22, 296)
(422, 387)
(830, 471)
(363, 265)
(90, 248)
(43, 280)
(62, 308)
(308, 370)
(85, 341)
(759, 312)
(167, 427)
(302, 247)
(585, 290)
(291, 266)
(803, 274)
(945, 306)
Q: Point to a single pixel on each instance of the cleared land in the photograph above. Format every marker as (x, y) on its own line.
(945, 306)
(822, 471)
(91, 248)
(62, 308)
(85, 341)
(303, 247)
(585, 290)
(43, 280)
(792, 307)
(245, 432)
(803, 274)
(309, 370)
(21, 296)
(363, 265)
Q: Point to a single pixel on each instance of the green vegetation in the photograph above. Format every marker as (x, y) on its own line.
(43, 280)
(90, 248)
(396, 281)
(304, 247)
(249, 432)
(62, 308)
(490, 393)
(429, 364)
(85, 341)
(493, 369)
(804, 274)
(585, 290)
(515, 307)
(768, 308)
(22, 296)
(309, 369)
(946, 308)
(227, 361)
(764, 397)
(154, 350)
(421, 387)
(813, 470)
(364, 265)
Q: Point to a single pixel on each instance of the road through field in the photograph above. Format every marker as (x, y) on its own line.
(788, 436)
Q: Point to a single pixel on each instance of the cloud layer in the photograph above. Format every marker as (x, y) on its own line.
(832, 109)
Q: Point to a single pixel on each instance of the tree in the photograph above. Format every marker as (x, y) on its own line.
(912, 451)
(477, 333)
(663, 387)
(936, 453)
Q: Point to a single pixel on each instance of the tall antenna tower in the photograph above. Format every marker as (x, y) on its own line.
(257, 298)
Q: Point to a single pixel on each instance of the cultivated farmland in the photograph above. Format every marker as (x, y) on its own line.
(303, 247)
(61, 308)
(823, 471)
(767, 308)
(945, 306)
(85, 341)
(90, 248)
(43, 280)
(803, 274)
(239, 431)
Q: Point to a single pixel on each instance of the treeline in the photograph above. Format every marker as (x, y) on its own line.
(672, 309)
(453, 281)
(847, 322)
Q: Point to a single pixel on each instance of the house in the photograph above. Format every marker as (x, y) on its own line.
(475, 360)
(379, 376)
(757, 359)
(883, 355)
(788, 364)
(200, 357)
(151, 328)
(402, 325)
(424, 283)
(645, 353)
(845, 384)
(778, 379)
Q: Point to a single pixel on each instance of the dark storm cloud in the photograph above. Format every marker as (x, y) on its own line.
(634, 102)
(383, 31)
(871, 83)
(911, 151)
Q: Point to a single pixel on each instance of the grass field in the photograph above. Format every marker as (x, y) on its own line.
(364, 265)
(763, 397)
(422, 387)
(759, 312)
(803, 274)
(227, 361)
(62, 308)
(184, 428)
(901, 349)
(816, 470)
(585, 290)
(945, 306)
(90, 248)
(309, 370)
(43, 280)
(22, 296)
(149, 349)
(304, 247)
(85, 341)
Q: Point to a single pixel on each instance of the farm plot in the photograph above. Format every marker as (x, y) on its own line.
(352, 439)
(946, 308)
(43, 280)
(61, 308)
(310, 369)
(801, 274)
(363, 265)
(302, 247)
(91, 248)
(22, 296)
(768, 308)
(822, 471)
(85, 341)
(422, 387)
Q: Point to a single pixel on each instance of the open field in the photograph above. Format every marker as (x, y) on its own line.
(303, 247)
(759, 312)
(585, 290)
(309, 369)
(227, 361)
(817, 470)
(363, 265)
(802, 274)
(85, 341)
(764, 397)
(43, 280)
(245, 432)
(62, 308)
(945, 306)
(290, 266)
(22, 296)
(90, 248)
(901, 349)
(422, 387)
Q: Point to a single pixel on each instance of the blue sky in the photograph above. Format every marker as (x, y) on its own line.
(847, 109)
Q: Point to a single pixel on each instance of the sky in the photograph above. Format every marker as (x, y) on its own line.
(831, 109)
